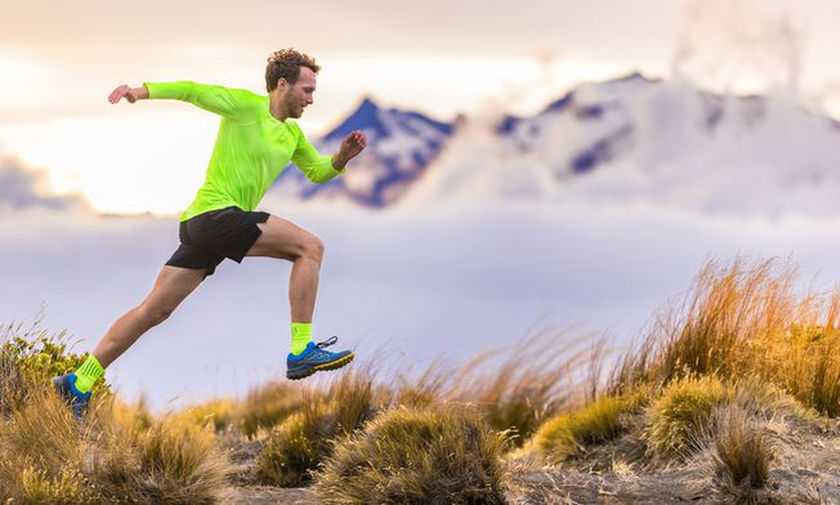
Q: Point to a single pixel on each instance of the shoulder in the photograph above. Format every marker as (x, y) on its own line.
(294, 127)
(249, 104)
(246, 95)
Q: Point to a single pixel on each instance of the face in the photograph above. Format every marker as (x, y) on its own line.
(297, 96)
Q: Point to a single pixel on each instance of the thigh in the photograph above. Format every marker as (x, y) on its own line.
(280, 238)
(172, 285)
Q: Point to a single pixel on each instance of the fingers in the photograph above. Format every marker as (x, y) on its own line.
(357, 138)
(360, 138)
(118, 93)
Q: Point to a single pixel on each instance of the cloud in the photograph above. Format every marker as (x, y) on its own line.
(450, 279)
(24, 187)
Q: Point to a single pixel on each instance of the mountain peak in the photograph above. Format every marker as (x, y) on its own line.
(366, 116)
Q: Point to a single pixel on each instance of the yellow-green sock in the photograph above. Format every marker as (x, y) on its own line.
(87, 374)
(301, 335)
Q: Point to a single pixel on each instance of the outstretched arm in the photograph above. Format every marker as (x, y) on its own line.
(216, 99)
(129, 93)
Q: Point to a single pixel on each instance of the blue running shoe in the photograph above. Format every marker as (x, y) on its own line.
(65, 385)
(315, 358)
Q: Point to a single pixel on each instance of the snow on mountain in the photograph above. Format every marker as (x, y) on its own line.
(400, 146)
(639, 140)
(632, 139)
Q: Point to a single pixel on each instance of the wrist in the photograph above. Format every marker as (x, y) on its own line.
(339, 161)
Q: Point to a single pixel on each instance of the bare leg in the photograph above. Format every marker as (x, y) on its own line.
(284, 240)
(173, 284)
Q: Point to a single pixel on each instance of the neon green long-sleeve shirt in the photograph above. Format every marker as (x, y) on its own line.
(252, 146)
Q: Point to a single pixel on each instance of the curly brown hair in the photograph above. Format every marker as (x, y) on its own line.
(286, 63)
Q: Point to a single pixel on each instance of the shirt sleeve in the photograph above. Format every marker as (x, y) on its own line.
(216, 99)
(316, 166)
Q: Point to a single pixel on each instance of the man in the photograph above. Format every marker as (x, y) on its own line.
(256, 140)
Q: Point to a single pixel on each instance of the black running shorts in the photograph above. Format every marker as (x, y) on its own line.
(209, 238)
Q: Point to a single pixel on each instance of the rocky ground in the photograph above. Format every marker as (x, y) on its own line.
(805, 470)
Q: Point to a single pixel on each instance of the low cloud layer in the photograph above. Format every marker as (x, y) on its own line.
(409, 284)
(23, 187)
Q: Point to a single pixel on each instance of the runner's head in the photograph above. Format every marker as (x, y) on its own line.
(291, 75)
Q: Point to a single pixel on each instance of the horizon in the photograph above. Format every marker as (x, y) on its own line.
(501, 61)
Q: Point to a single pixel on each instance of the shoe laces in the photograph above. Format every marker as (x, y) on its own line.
(326, 343)
(320, 347)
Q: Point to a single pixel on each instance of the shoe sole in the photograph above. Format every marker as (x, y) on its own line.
(333, 365)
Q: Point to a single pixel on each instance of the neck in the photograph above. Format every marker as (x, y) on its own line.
(275, 106)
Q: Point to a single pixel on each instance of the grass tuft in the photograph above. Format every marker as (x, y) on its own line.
(295, 448)
(406, 456)
(568, 433)
(268, 406)
(741, 454)
(679, 416)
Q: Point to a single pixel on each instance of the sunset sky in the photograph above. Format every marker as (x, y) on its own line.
(415, 281)
(60, 59)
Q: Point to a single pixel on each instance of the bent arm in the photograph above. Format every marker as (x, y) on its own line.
(317, 167)
(314, 165)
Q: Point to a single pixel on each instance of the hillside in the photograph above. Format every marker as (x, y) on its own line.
(732, 396)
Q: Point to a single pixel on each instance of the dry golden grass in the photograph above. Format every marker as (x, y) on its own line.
(296, 447)
(119, 454)
(745, 320)
(41, 454)
(405, 456)
(269, 405)
(519, 387)
(12, 389)
(746, 340)
(426, 389)
(218, 414)
(169, 461)
(741, 454)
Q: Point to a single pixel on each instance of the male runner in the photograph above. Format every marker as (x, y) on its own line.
(256, 140)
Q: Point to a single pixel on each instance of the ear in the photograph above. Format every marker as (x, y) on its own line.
(282, 83)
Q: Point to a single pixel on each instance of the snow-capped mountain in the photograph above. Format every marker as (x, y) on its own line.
(400, 147)
(634, 139)
(662, 142)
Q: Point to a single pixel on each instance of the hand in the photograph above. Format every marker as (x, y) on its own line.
(130, 94)
(350, 147)
(353, 144)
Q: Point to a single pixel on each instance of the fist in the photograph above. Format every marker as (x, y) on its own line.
(353, 144)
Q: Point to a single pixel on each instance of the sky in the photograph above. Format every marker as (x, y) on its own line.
(89, 191)
(59, 60)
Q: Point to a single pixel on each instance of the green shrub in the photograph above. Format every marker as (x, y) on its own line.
(296, 448)
(446, 455)
(565, 434)
(683, 411)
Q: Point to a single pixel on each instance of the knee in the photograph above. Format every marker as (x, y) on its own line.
(314, 248)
